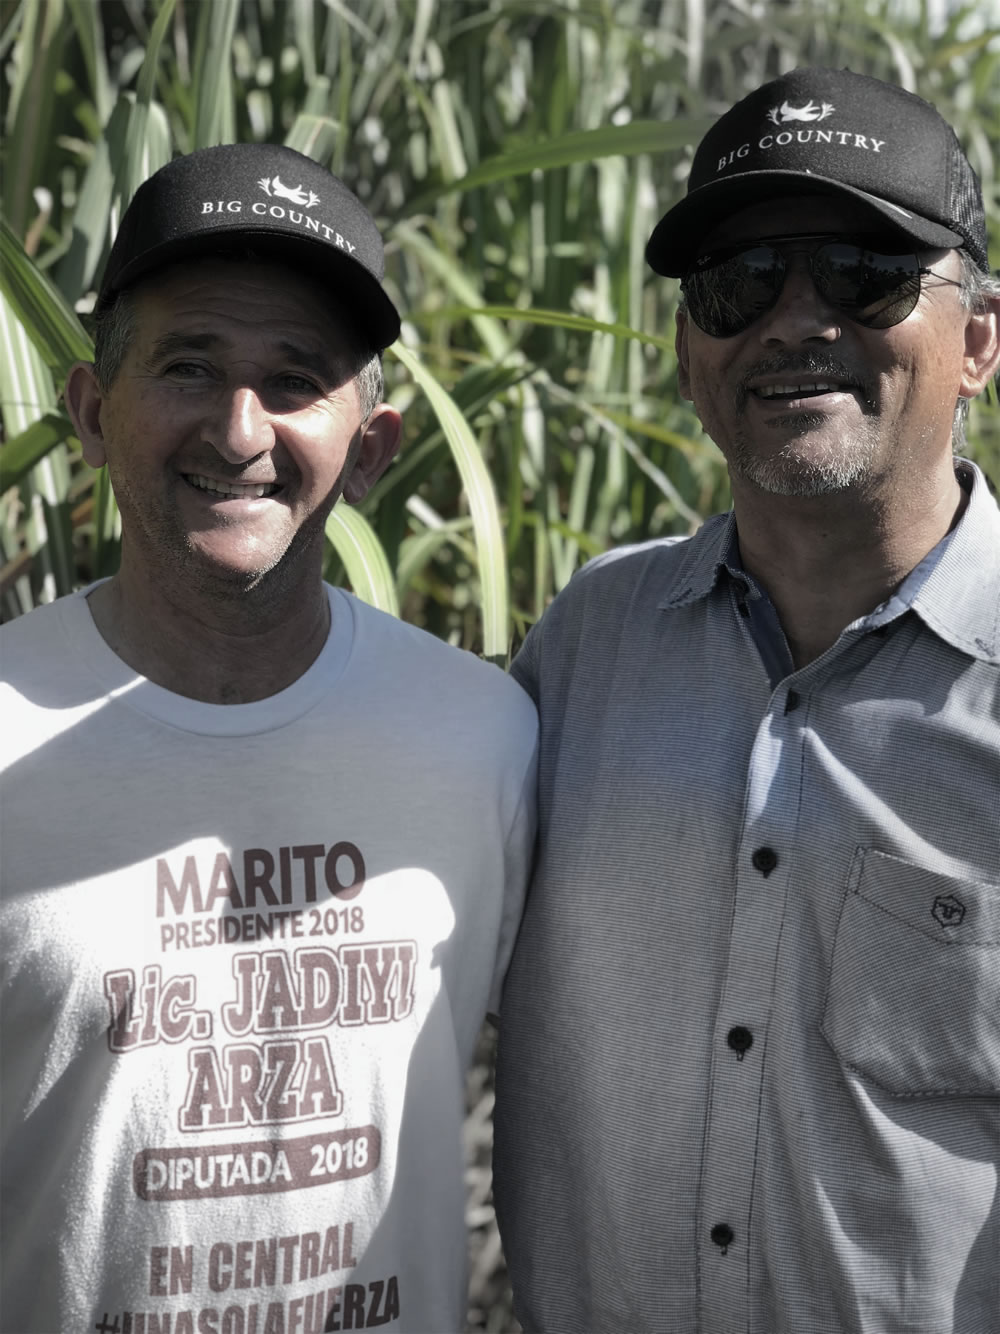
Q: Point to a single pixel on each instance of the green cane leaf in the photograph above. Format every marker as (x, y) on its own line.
(357, 545)
(47, 316)
(639, 136)
(213, 73)
(561, 319)
(145, 150)
(490, 549)
(19, 456)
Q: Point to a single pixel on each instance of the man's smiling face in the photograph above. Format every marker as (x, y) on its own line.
(806, 401)
(233, 424)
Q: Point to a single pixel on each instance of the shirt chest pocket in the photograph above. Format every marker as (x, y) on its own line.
(913, 1003)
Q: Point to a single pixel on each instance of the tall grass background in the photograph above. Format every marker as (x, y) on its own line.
(516, 155)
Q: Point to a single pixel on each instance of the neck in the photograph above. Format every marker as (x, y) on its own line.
(224, 648)
(828, 560)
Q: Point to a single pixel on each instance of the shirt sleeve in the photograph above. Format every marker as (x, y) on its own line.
(524, 668)
(519, 851)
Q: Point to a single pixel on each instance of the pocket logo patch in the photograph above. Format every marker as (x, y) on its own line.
(948, 910)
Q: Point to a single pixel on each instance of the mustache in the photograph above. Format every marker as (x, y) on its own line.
(815, 365)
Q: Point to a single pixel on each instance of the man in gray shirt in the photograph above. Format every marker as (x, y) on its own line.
(750, 1046)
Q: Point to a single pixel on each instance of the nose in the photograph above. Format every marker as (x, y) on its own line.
(801, 314)
(240, 428)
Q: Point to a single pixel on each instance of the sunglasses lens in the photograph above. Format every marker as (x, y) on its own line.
(733, 289)
(726, 297)
(873, 289)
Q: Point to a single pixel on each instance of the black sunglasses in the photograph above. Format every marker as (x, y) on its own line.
(728, 289)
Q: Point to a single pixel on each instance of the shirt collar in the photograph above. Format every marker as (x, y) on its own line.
(705, 555)
(955, 589)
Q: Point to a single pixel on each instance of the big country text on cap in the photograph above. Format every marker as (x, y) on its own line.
(825, 131)
(270, 198)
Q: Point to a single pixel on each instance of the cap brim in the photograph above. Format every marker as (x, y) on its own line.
(363, 298)
(679, 234)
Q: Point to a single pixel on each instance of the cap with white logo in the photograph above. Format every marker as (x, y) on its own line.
(826, 131)
(270, 199)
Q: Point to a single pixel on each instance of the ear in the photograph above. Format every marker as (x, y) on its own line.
(84, 401)
(379, 443)
(681, 347)
(982, 349)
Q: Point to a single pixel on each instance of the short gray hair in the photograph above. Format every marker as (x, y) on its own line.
(114, 330)
(371, 386)
(977, 291)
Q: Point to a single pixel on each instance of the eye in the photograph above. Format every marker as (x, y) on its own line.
(300, 385)
(186, 370)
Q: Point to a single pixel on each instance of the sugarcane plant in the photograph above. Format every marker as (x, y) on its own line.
(516, 157)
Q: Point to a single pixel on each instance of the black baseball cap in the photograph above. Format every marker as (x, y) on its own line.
(830, 132)
(266, 196)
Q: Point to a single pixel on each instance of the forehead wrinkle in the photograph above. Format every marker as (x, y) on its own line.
(275, 303)
(168, 343)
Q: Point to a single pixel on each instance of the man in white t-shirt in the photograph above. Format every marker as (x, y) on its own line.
(264, 847)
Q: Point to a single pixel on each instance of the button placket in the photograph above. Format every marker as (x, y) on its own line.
(762, 866)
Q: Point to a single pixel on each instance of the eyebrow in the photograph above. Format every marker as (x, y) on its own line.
(170, 344)
(317, 362)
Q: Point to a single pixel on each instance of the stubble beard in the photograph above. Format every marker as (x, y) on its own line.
(168, 549)
(815, 460)
(806, 467)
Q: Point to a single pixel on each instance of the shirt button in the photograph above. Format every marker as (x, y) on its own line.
(740, 1039)
(722, 1234)
(792, 700)
(764, 860)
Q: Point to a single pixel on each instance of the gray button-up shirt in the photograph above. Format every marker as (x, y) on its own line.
(749, 1071)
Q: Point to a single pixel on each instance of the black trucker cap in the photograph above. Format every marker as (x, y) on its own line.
(270, 198)
(826, 131)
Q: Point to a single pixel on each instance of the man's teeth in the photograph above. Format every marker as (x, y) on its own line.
(796, 390)
(253, 491)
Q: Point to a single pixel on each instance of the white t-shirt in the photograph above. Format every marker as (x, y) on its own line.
(246, 954)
